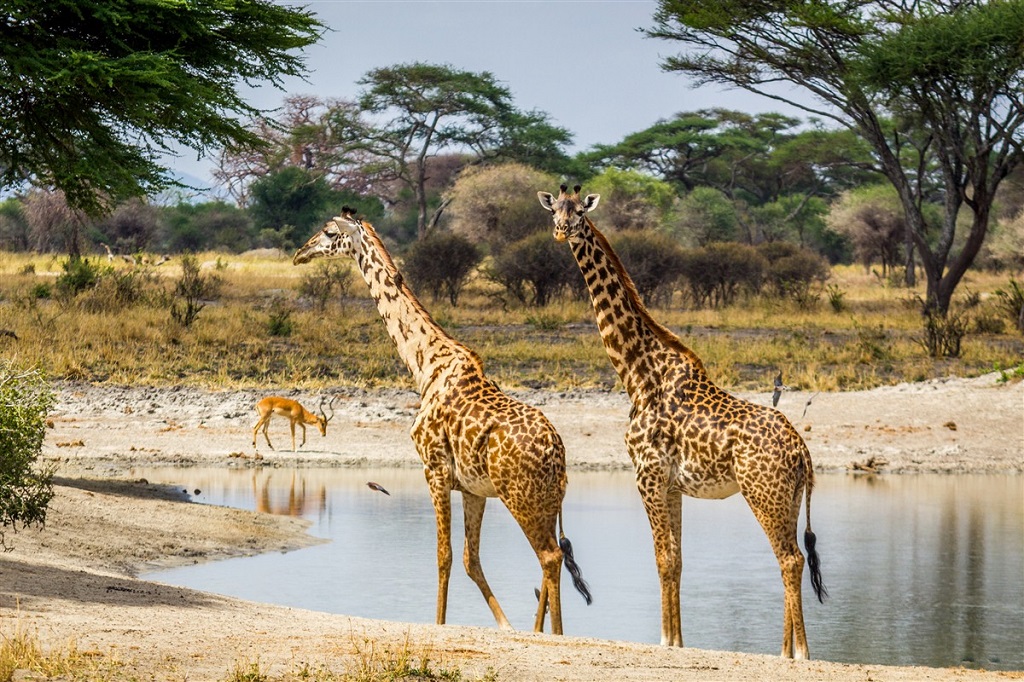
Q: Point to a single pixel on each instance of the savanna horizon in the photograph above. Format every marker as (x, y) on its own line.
(259, 332)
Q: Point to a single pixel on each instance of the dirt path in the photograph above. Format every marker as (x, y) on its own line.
(73, 580)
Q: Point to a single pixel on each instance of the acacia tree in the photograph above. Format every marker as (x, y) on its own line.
(92, 92)
(425, 109)
(311, 133)
(952, 71)
(752, 159)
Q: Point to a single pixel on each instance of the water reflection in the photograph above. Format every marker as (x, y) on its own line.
(923, 570)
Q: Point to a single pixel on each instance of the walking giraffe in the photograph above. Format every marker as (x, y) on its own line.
(686, 435)
(471, 436)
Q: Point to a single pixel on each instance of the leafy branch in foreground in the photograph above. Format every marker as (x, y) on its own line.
(25, 491)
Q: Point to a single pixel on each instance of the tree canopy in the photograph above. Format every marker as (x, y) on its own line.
(425, 109)
(935, 88)
(93, 92)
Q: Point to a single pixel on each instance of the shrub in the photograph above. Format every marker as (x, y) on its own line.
(440, 264)
(536, 269)
(79, 274)
(328, 279)
(25, 490)
(1011, 302)
(191, 290)
(836, 298)
(654, 262)
(279, 321)
(792, 271)
(116, 290)
(943, 334)
(718, 273)
(497, 205)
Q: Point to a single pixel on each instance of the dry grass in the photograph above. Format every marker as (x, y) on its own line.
(23, 656)
(873, 340)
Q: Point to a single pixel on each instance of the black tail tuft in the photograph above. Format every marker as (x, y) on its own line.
(574, 570)
(814, 564)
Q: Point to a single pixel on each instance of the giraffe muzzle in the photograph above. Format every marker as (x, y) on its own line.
(560, 234)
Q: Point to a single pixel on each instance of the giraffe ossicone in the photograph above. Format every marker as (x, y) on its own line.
(686, 436)
(471, 436)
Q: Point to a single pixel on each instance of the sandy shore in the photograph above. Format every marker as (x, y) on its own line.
(74, 580)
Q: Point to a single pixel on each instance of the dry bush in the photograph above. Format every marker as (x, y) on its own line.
(497, 205)
(440, 264)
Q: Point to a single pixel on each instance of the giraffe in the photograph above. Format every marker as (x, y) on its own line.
(471, 436)
(686, 436)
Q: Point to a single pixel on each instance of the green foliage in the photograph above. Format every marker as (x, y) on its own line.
(536, 269)
(191, 291)
(41, 290)
(1011, 303)
(440, 264)
(79, 274)
(654, 262)
(717, 273)
(632, 200)
(212, 225)
(25, 489)
(432, 108)
(94, 91)
(705, 216)
(14, 227)
(291, 201)
(933, 89)
(836, 298)
(279, 320)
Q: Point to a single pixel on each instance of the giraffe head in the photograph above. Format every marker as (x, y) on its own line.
(568, 211)
(337, 238)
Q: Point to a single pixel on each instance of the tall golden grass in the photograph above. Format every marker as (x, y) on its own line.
(874, 339)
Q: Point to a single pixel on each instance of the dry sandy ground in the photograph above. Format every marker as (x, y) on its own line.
(74, 580)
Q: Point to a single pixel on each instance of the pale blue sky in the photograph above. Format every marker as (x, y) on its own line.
(581, 61)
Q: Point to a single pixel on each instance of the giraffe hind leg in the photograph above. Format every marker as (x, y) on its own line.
(473, 508)
(781, 531)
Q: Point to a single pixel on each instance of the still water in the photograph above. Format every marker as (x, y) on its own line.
(921, 569)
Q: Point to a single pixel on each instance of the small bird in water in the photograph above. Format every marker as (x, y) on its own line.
(377, 486)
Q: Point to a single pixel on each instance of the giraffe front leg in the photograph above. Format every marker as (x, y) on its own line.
(473, 510)
(661, 508)
(440, 496)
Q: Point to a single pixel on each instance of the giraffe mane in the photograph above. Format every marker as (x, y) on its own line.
(664, 334)
(399, 280)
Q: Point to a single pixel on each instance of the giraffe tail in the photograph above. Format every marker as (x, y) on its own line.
(570, 564)
(813, 562)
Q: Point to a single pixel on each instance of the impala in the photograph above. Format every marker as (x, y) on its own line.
(294, 412)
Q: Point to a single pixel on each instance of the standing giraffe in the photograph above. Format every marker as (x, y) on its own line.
(686, 435)
(471, 436)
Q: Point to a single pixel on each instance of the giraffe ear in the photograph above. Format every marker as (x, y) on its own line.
(546, 200)
(590, 203)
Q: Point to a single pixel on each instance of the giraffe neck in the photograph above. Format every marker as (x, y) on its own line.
(427, 350)
(638, 346)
